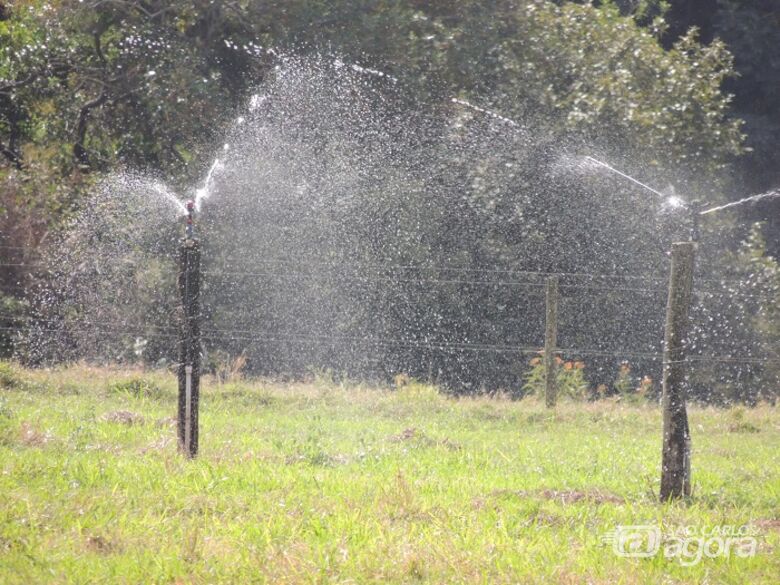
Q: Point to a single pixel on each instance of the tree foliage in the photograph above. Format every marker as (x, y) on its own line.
(90, 87)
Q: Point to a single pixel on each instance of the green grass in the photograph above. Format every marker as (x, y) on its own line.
(334, 483)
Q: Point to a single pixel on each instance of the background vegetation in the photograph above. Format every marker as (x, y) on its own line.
(89, 87)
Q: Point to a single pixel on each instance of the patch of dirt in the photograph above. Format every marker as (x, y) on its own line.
(744, 427)
(167, 422)
(572, 496)
(767, 524)
(99, 544)
(565, 496)
(318, 459)
(419, 437)
(31, 436)
(159, 445)
(124, 417)
(406, 435)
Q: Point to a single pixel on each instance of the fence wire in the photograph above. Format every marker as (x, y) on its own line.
(297, 269)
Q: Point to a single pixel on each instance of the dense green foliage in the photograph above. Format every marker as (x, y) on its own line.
(89, 87)
(751, 30)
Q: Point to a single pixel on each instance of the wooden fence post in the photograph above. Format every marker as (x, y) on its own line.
(189, 347)
(550, 342)
(675, 462)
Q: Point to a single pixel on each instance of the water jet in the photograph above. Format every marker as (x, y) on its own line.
(751, 199)
(629, 177)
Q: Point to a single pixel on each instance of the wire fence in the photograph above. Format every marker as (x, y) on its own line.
(297, 265)
(110, 328)
(597, 284)
(299, 270)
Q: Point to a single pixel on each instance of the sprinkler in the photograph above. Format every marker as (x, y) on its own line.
(189, 229)
(695, 210)
(671, 199)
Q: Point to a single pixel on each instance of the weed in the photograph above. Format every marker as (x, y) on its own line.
(412, 391)
(136, 388)
(744, 427)
(227, 368)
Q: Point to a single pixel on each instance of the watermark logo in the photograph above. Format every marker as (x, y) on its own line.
(638, 541)
(687, 544)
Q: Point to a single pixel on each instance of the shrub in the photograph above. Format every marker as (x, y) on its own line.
(569, 377)
(624, 383)
(9, 378)
(629, 389)
(571, 380)
(12, 379)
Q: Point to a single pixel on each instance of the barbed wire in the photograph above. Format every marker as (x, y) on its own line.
(660, 279)
(502, 283)
(359, 278)
(223, 335)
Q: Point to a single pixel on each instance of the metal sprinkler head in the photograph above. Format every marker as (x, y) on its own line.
(189, 229)
(695, 209)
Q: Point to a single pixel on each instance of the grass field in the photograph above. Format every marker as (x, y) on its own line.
(322, 482)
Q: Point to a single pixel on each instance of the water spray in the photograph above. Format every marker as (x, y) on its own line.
(630, 178)
(485, 111)
(205, 191)
(676, 452)
(675, 201)
(671, 199)
(751, 199)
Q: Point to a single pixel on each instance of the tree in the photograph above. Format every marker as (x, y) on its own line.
(414, 178)
(751, 31)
